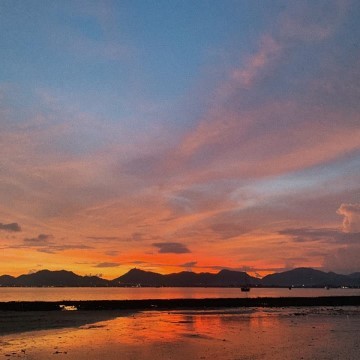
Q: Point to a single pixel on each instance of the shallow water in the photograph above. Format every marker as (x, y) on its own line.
(302, 333)
(58, 294)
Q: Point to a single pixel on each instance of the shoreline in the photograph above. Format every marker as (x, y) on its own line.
(256, 333)
(179, 304)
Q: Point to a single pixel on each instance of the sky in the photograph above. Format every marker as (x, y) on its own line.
(179, 135)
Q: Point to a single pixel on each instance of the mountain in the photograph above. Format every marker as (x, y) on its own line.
(60, 278)
(309, 278)
(188, 278)
(138, 277)
(306, 277)
(185, 278)
(236, 278)
(355, 275)
(6, 280)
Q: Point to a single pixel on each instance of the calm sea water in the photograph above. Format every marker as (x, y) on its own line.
(58, 294)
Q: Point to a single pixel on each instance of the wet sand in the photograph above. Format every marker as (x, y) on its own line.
(239, 333)
(23, 321)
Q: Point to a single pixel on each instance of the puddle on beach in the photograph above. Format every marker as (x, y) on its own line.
(249, 334)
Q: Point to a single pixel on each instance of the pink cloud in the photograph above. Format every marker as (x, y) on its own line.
(269, 50)
(273, 136)
(248, 144)
(351, 213)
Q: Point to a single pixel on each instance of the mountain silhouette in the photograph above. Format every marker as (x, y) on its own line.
(7, 280)
(185, 278)
(300, 277)
(308, 277)
(139, 277)
(56, 278)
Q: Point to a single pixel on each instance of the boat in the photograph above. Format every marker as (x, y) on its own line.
(245, 288)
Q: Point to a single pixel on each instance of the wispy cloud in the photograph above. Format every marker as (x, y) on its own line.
(189, 264)
(104, 238)
(268, 51)
(54, 248)
(326, 236)
(107, 265)
(47, 243)
(40, 240)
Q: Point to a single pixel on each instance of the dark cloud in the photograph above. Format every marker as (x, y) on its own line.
(135, 236)
(344, 260)
(349, 238)
(147, 166)
(321, 235)
(254, 269)
(139, 262)
(218, 267)
(100, 238)
(40, 240)
(14, 227)
(229, 230)
(107, 265)
(309, 234)
(111, 252)
(189, 264)
(171, 248)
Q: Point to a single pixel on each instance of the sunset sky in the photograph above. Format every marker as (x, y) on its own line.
(179, 135)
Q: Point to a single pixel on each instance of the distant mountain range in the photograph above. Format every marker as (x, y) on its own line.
(300, 277)
(60, 278)
(186, 278)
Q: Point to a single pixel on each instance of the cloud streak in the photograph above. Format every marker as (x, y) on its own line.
(326, 236)
(40, 240)
(107, 265)
(47, 243)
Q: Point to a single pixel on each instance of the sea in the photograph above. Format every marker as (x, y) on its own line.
(140, 293)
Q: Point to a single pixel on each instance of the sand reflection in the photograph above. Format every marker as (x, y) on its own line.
(235, 334)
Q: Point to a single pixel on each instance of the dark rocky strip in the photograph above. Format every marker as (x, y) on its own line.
(177, 304)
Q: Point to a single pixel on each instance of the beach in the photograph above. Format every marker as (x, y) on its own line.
(321, 332)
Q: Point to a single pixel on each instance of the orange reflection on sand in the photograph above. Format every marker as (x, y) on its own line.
(219, 334)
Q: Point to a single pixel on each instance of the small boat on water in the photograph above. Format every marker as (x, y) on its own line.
(245, 288)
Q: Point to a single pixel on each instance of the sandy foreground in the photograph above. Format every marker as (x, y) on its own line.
(257, 333)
